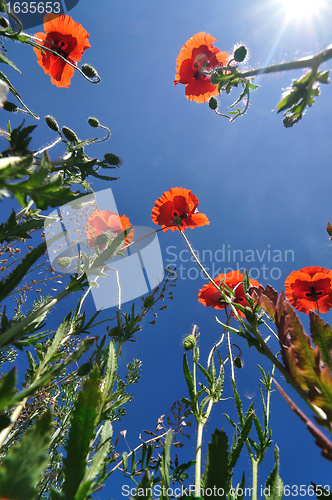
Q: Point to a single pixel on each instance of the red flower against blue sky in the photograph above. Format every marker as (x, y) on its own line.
(177, 209)
(196, 60)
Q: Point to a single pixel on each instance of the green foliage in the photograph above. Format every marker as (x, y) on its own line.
(274, 484)
(80, 435)
(301, 94)
(11, 230)
(217, 472)
(26, 461)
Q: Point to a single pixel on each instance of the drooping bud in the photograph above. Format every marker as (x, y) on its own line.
(213, 103)
(10, 106)
(89, 71)
(238, 362)
(112, 159)
(52, 123)
(189, 342)
(69, 134)
(4, 23)
(93, 122)
(240, 53)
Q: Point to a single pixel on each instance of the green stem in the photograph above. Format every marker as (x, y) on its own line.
(254, 478)
(198, 464)
(230, 355)
(309, 62)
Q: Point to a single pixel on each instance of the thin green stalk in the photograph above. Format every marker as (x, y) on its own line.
(230, 355)
(269, 397)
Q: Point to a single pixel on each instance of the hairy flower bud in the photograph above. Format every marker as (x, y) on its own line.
(189, 342)
(240, 53)
(213, 103)
(52, 123)
(112, 159)
(89, 71)
(69, 134)
(93, 122)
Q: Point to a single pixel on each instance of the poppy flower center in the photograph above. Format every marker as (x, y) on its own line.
(177, 218)
(313, 294)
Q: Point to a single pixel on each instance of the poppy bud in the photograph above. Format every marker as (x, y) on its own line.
(4, 23)
(103, 239)
(112, 159)
(10, 106)
(64, 262)
(240, 53)
(52, 123)
(148, 301)
(89, 71)
(69, 134)
(189, 342)
(213, 103)
(93, 122)
(238, 362)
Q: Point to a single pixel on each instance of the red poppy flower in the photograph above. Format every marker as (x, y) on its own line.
(210, 297)
(195, 62)
(105, 221)
(177, 209)
(310, 287)
(67, 38)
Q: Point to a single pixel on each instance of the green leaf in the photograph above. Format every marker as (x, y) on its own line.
(144, 488)
(245, 431)
(54, 346)
(323, 77)
(110, 375)
(274, 484)
(165, 464)
(238, 404)
(16, 94)
(125, 462)
(54, 371)
(81, 433)
(7, 388)
(217, 473)
(101, 454)
(11, 230)
(321, 492)
(4, 59)
(25, 462)
(189, 379)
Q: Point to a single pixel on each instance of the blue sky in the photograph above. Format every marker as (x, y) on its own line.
(263, 187)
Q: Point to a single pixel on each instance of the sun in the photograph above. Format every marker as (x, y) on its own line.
(302, 8)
